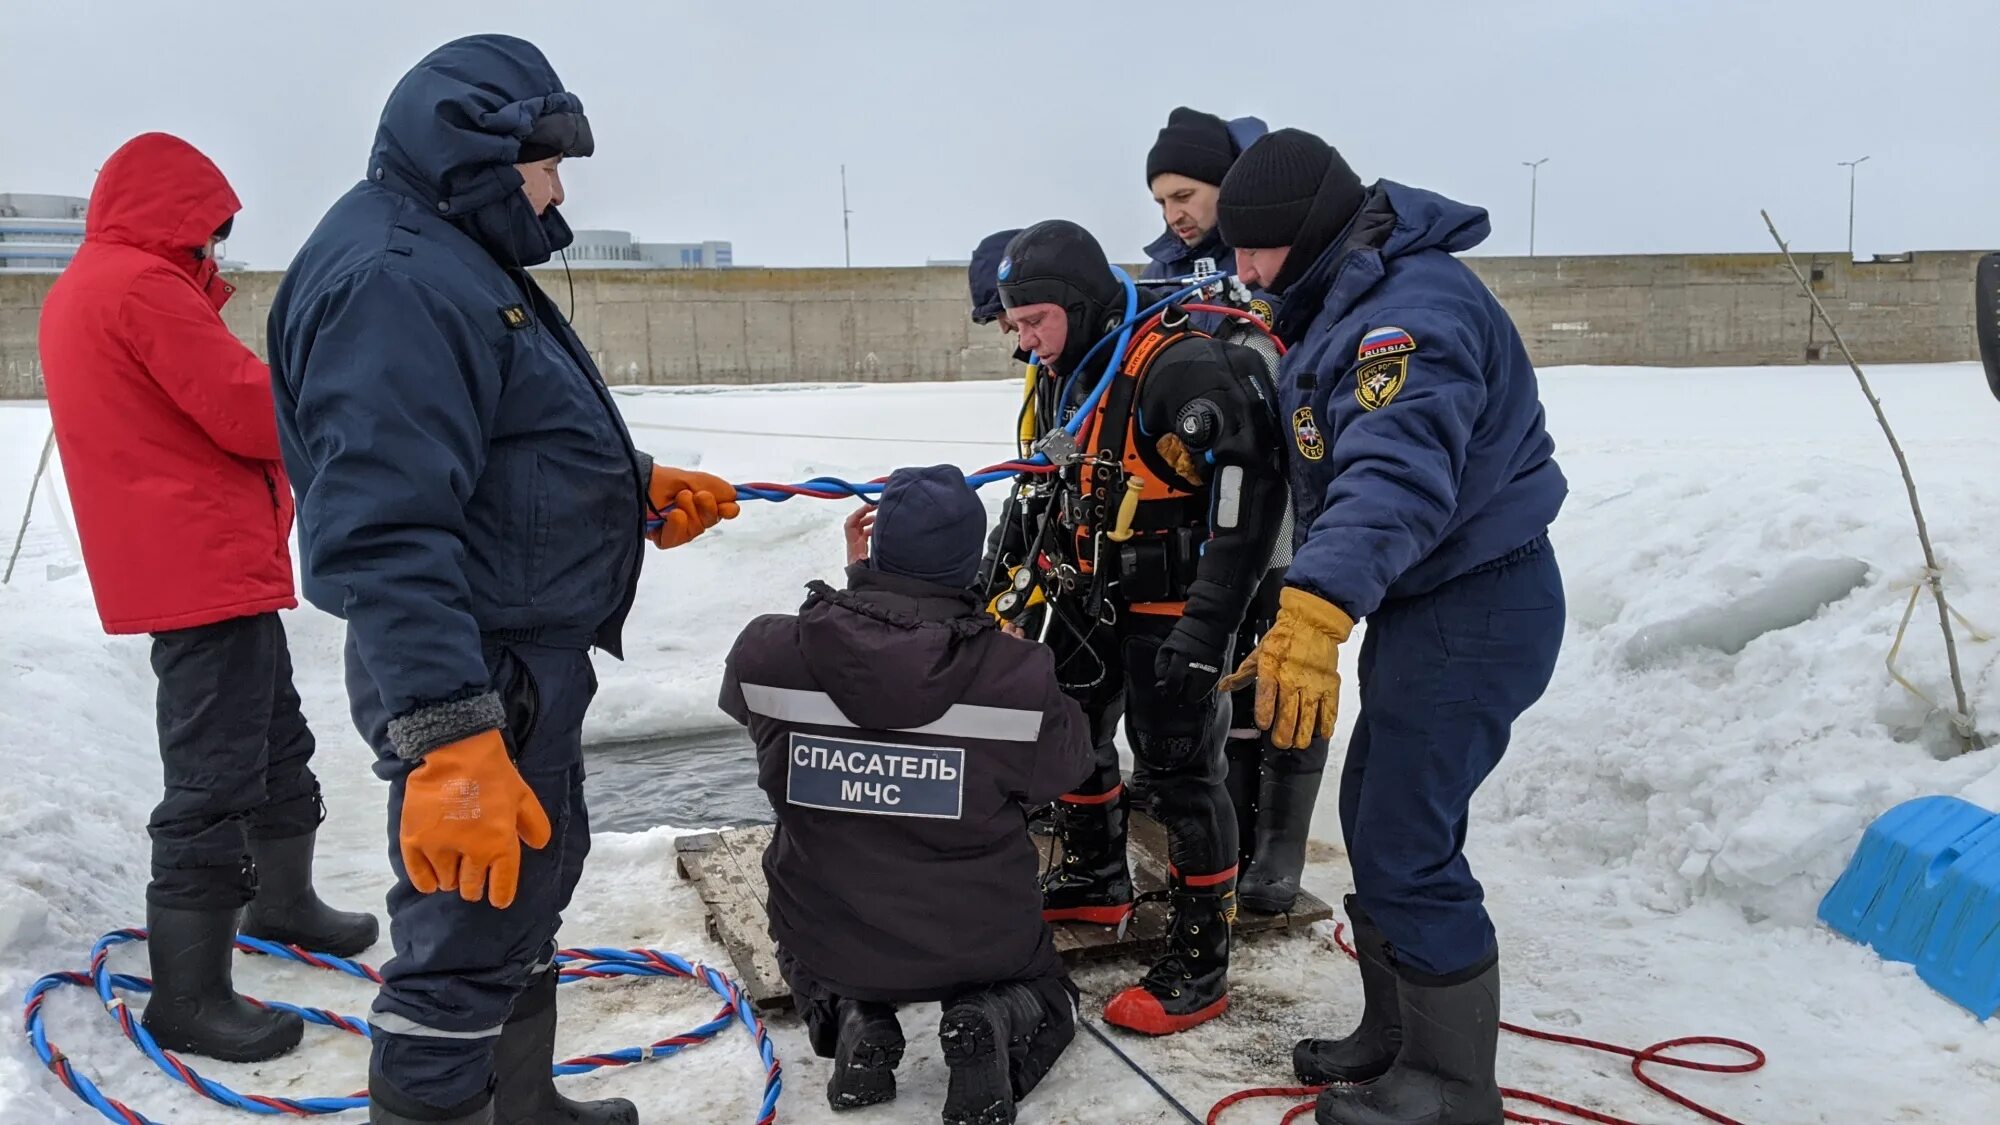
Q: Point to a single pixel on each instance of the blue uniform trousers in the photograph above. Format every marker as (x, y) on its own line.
(1443, 676)
(459, 965)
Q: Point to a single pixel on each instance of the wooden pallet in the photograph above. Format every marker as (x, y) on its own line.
(728, 869)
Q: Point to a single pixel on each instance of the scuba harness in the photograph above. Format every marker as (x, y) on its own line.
(1117, 511)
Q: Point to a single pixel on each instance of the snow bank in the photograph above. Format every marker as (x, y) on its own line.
(1652, 848)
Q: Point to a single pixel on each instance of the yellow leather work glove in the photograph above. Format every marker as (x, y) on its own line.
(466, 813)
(689, 503)
(1297, 669)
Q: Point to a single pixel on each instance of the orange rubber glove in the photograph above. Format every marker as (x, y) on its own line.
(466, 813)
(1297, 669)
(689, 503)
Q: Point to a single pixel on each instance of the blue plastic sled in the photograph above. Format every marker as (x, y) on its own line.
(1923, 888)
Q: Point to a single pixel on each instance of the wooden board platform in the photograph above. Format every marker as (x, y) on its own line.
(727, 867)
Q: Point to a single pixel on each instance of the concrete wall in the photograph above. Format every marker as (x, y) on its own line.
(889, 325)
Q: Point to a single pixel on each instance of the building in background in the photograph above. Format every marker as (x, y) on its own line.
(39, 233)
(617, 249)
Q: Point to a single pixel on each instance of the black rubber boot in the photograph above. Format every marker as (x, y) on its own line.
(1245, 757)
(1189, 984)
(999, 1043)
(867, 1049)
(194, 1008)
(1091, 883)
(1366, 1053)
(525, 1092)
(1287, 789)
(1444, 1075)
(288, 911)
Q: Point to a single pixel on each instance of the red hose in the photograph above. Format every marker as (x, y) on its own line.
(1246, 317)
(1655, 1054)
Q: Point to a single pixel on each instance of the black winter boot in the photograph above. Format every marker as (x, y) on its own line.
(1444, 1075)
(1092, 882)
(1366, 1052)
(288, 911)
(194, 1008)
(999, 1044)
(867, 1049)
(1189, 984)
(1287, 790)
(1245, 758)
(525, 1091)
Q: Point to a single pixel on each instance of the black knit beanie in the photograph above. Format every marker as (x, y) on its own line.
(1194, 144)
(1289, 189)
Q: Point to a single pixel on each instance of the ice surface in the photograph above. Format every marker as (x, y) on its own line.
(1652, 849)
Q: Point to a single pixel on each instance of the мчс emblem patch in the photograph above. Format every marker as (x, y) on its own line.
(1384, 342)
(1377, 383)
(1306, 431)
(1261, 309)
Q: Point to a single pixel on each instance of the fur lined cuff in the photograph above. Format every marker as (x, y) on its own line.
(439, 724)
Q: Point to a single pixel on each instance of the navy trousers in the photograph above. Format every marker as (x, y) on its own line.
(1443, 676)
(458, 965)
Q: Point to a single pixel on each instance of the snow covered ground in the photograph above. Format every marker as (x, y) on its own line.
(1653, 847)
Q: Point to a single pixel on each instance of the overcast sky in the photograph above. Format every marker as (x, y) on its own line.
(1667, 124)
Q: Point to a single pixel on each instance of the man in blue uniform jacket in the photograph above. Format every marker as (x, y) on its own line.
(470, 503)
(1424, 485)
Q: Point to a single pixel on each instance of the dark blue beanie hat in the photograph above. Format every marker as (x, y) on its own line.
(930, 526)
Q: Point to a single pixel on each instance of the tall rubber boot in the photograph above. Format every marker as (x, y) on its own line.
(525, 1092)
(1287, 790)
(1092, 882)
(1189, 984)
(1444, 1075)
(999, 1044)
(1245, 758)
(288, 911)
(1365, 1053)
(194, 1008)
(867, 1049)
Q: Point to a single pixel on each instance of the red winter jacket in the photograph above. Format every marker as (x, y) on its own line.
(168, 434)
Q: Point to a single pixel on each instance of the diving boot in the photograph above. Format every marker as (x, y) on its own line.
(999, 1044)
(867, 1049)
(1367, 1052)
(1092, 883)
(525, 1091)
(194, 1007)
(288, 911)
(1444, 1074)
(1287, 789)
(1189, 984)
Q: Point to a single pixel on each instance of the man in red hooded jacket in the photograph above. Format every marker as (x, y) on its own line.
(169, 443)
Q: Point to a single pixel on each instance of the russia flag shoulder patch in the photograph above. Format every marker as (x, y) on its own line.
(1385, 342)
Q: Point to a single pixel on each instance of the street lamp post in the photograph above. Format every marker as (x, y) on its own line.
(846, 246)
(1534, 168)
(1850, 165)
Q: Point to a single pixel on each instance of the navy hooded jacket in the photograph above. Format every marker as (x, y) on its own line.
(461, 471)
(1167, 256)
(1419, 451)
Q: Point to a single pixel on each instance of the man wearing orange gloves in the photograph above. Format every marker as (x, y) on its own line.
(471, 503)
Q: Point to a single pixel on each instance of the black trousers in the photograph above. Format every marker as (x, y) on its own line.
(234, 754)
(1177, 745)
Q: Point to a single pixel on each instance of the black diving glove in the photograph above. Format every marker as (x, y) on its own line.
(1191, 659)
